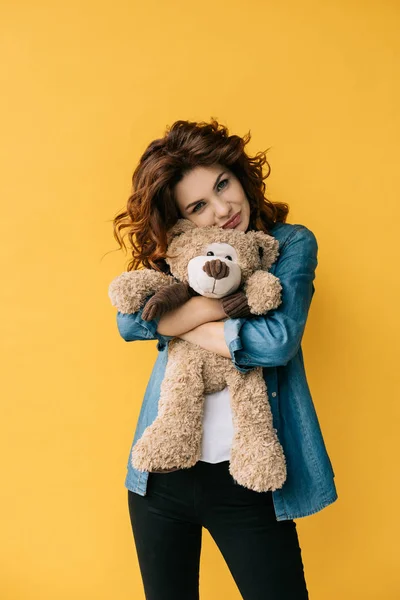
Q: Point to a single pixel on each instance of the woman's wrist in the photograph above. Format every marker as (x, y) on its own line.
(215, 309)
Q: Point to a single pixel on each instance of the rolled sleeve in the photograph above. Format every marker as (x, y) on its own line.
(274, 339)
(233, 340)
(133, 327)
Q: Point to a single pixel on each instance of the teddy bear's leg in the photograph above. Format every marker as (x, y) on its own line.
(173, 440)
(257, 459)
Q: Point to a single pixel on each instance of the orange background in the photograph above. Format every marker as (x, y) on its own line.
(85, 87)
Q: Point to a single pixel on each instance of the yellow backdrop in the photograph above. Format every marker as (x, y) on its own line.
(85, 87)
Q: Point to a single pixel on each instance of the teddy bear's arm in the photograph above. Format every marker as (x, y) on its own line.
(129, 290)
(166, 299)
(263, 291)
(236, 305)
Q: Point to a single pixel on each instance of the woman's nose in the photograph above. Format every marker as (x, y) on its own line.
(222, 209)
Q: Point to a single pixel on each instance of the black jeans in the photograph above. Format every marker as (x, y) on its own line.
(263, 554)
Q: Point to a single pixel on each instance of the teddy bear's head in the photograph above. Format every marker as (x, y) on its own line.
(191, 247)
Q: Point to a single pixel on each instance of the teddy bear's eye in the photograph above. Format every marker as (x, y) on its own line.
(228, 257)
(210, 253)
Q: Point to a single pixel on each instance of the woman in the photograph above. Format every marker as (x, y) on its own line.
(198, 172)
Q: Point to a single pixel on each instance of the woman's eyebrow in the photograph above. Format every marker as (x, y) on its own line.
(202, 199)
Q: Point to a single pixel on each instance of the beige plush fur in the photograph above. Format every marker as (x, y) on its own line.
(257, 459)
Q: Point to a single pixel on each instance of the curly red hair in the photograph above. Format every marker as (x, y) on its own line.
(151, 209)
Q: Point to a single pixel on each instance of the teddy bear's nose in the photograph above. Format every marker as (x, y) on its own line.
(216, 269)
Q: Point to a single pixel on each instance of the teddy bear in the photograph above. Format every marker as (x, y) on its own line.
(216, 263)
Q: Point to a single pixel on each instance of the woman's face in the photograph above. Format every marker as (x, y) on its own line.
(212, 196)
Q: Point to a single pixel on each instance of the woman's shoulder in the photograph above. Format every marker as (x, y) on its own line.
(287, 228)
(286, 232)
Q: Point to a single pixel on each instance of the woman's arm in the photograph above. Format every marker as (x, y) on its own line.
(274, 339)
(209, 336)
(196, 311)
(267, 341)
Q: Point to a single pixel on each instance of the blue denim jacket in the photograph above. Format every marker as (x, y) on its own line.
(274, 343)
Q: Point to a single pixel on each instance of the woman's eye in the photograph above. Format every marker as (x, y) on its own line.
(222, 181)
(219, 183)
(194, 210)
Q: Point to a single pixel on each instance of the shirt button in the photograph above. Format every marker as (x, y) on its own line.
(273, 394)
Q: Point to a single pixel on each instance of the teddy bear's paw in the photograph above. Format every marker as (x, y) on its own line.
(260, 467)
(129, 290)
(155, 452)
(165, 470)
(263, 291)
(154, 308)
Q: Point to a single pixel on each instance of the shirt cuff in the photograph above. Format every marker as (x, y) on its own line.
(151, 332)
(240, 359)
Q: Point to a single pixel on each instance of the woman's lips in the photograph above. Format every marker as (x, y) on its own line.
(233, 223)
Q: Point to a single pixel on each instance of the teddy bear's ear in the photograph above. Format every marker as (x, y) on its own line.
(268, 247)
(181, 226)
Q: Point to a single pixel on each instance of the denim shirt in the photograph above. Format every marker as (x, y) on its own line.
(273, 342)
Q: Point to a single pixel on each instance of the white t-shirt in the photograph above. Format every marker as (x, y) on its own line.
(217, 427)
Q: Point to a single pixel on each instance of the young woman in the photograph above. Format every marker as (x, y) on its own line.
(199, 172)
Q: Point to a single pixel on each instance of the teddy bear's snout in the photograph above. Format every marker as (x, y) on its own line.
(217, 269)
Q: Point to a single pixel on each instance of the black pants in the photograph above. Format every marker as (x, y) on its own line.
(262, 554)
